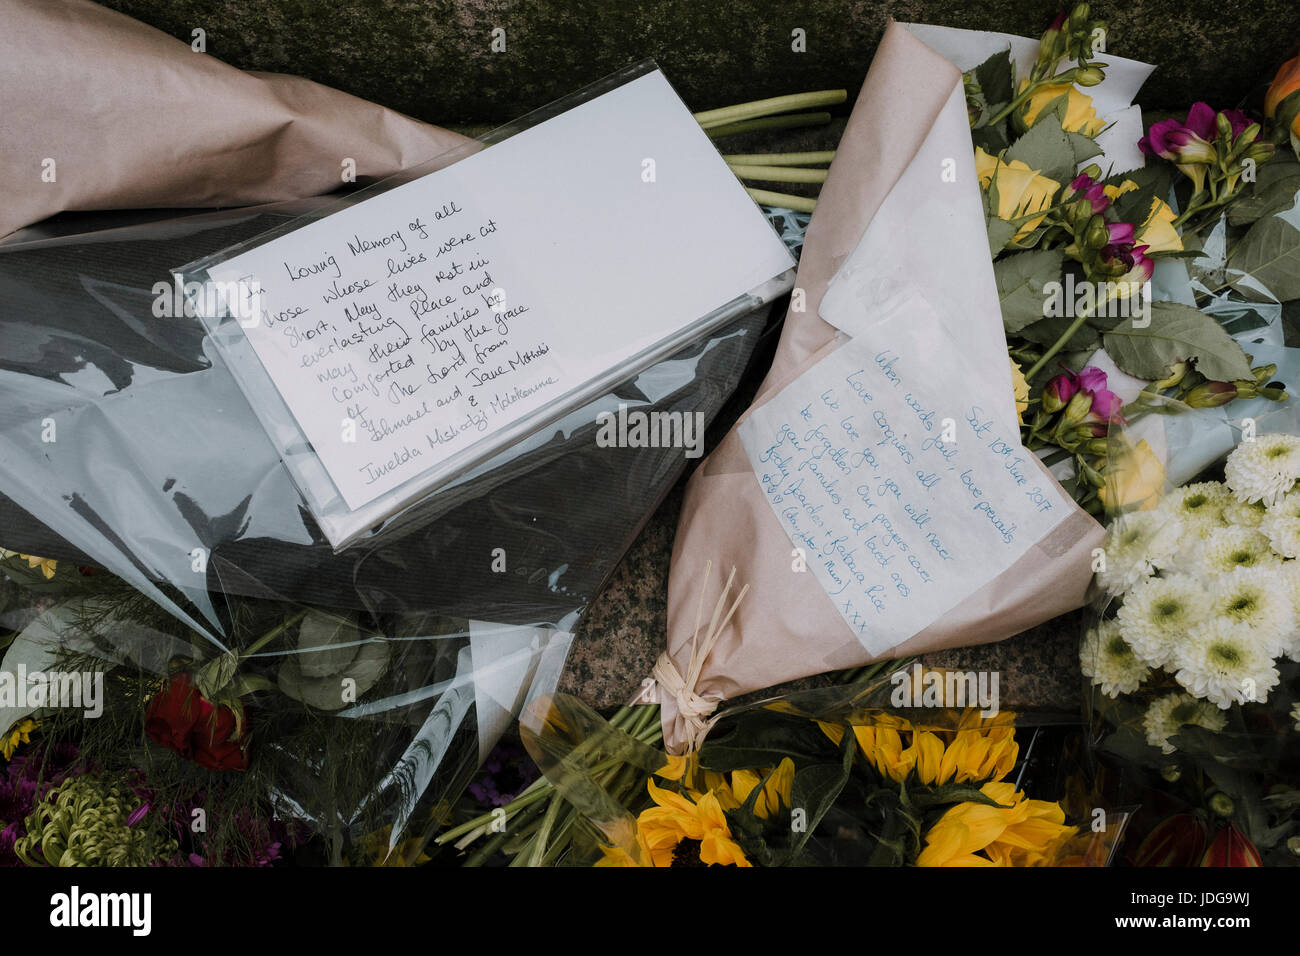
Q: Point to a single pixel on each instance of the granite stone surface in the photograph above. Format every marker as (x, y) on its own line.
(435, 59)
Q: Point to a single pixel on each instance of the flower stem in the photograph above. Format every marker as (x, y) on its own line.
(777, 104)
(1007, 110)
(769, 123)
(777, 174)
(781, 159)
(1060, 343)
(272, 634)
(782, 200)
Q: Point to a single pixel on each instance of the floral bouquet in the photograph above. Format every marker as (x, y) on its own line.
(834, 776)
(1193, 658)
(1102, 318)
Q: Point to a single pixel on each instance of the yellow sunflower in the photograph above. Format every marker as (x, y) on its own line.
(775, 787)
(682, 830)
(1021, 832)
(18, 734)
(47, 565)
(976, 749)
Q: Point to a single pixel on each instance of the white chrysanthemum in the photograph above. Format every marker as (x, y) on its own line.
(1288, 578)
(1263, 469)
(1226, 549)
(1136, 545)
(1283, 535)
(1198, 507)
(1167, 714)
(1258, 600)
(1157, 612)
(1222, 661)
(1244, 514)
(1107, 658)
(1281, 523)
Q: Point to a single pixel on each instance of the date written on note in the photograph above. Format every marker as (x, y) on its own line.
(901, 502)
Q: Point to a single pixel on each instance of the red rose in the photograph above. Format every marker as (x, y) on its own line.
(181, 719)
(215, 744)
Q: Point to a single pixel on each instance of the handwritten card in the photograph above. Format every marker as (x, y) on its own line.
(904, 495)
(426, 320)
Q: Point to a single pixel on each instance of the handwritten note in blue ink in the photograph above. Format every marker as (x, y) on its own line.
(903, 492)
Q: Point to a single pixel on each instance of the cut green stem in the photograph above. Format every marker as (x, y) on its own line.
(778, 174)
(782, 200)
(769, 123)
(780, 159)
(777, 104)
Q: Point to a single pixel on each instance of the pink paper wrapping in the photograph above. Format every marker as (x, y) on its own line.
(133, 118)
(787, 627)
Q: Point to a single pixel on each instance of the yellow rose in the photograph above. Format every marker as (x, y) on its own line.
(1021, 388)
(1135, 478)
(1080, 116)
(1157, 232)
(1021, 191)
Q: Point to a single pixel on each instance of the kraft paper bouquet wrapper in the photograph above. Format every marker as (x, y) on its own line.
(145, 121)
(787, 627)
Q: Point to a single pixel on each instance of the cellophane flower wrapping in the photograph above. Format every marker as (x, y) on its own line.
(1191, 640)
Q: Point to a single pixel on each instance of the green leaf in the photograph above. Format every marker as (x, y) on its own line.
(1000, 233)
(996, 78)
(1020, 280)
(211, 679)
(928, 797)
(1176, 333)
(991, 139)
(1084, 147)
(761, 738)
(1273, 191)
(1052, 328)
(816, 788)
(1270, 255)
(1045, 148)
(1135, 205)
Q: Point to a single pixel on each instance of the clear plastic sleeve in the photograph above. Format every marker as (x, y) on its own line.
(176, 553)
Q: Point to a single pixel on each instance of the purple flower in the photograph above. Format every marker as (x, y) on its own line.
(508, 770)
(1239, 122)
(1119, 233)
(1090, 378)
(1058, 392)
(1084, 187)
(1138, 268)
(1091, 382)
(1187, 142)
